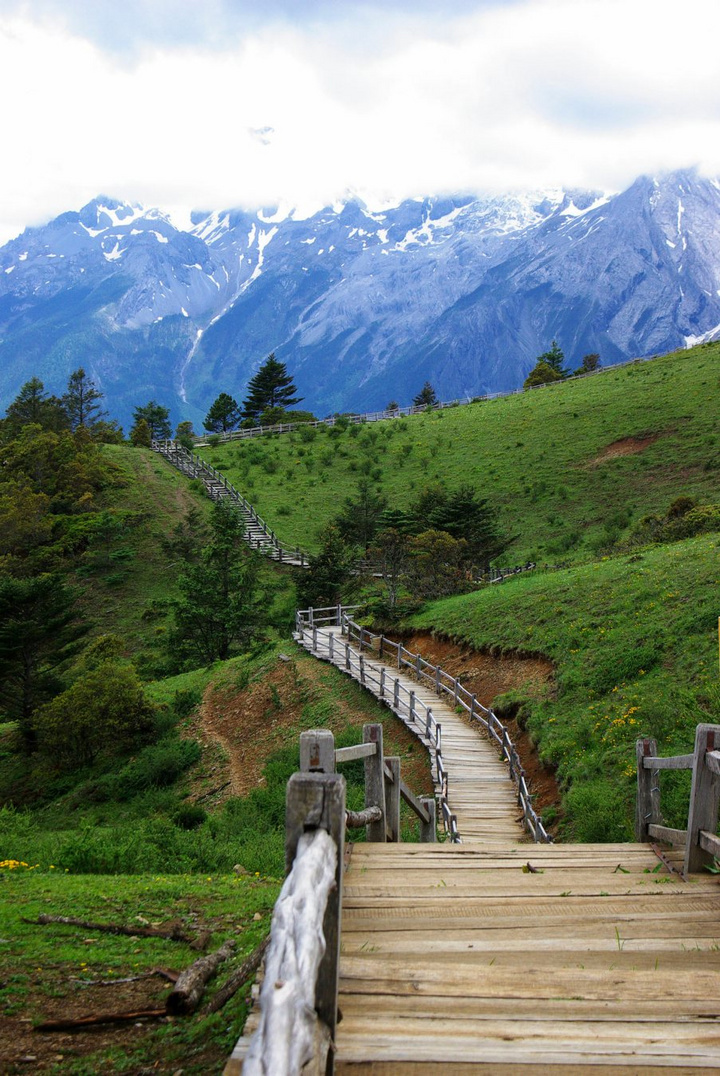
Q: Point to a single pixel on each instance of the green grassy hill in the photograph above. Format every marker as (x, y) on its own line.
(566, 467)
(634, 643)
(571, 469)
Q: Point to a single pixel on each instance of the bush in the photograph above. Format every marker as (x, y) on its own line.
(190, 816)
(104, 711)
(599, 812)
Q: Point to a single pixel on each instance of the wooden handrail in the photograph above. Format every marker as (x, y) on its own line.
(446, 684)
(699, 838)
(298, 1002)
(318, 754)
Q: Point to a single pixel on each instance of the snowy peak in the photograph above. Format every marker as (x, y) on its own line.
(361, 300)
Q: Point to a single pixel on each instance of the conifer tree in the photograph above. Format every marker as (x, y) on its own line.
(271, 387)
(223, 415)
(39, 631)
(34, 406)
(157, 418)
(426, 397)
(80, 400)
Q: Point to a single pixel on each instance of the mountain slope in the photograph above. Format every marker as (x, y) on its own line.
(363, 306)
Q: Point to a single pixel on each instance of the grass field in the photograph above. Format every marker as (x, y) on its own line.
(55, 971)
(567, 467)
(634, 644)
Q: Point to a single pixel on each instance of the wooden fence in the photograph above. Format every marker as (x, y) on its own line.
(699, 838)
(395, 412)
(413, 711)
(298, 998)
(257, 532)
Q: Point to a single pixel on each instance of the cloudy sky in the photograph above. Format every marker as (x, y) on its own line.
(214, 103)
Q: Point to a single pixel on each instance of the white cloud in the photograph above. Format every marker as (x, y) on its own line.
(542, 92)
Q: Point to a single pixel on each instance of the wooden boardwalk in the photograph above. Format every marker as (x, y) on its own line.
(504, 956)
(456, 958)
(481, 794)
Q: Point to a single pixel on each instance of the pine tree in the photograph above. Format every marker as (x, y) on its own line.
(219, 605)
(426, 397)
(271, 386)
(39, 630)
(34, 406)
(554, 358)
(157, 418)
(223, 415)
(80, 400)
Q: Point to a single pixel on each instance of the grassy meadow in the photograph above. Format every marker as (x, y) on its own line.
(548, 461)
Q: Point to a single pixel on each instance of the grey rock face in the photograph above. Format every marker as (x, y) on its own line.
(362, 306)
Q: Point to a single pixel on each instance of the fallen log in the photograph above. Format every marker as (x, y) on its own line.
(171, 976)
(238, 978)
(80, 1022)
(173, 933)
(185, 996)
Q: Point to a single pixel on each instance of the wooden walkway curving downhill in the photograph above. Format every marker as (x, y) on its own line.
(494, 954)
(501, 955)
(482, 796)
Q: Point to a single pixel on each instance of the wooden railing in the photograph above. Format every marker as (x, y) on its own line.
(299, 995)
(699, 838)
(395, 412)
(259, 535)
(416, 714)
(418, 718)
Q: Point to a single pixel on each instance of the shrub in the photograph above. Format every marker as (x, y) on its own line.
(189, 816)
(104, 711)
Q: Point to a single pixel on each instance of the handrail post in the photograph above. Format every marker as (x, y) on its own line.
(704, 798)
(375, 781)
(310, 616)
(396, 693)
(317, 801)
(437, 679)
(380, 648)
(362, 669)
(382, 682)
(331, 645)
(417, 666)
(314, 638)
(317, 751)
(338, 613)
(411, 711)
(347, 656)
(428, 723)
(647, 803)
(428, 830)
(392, 799)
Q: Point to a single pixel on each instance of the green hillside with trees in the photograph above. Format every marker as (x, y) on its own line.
(151, 697)
(567, 468)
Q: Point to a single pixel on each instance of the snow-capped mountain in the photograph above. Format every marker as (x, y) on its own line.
(363, 306)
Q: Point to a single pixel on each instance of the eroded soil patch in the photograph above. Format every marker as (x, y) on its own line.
(625, 446)
(249, 724)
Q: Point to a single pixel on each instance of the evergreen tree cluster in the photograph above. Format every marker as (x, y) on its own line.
(550, 366)
(269, 394)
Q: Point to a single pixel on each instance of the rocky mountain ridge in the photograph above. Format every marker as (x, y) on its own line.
(362, 305)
